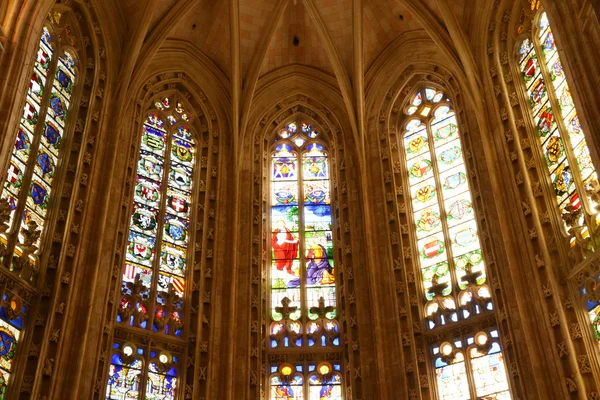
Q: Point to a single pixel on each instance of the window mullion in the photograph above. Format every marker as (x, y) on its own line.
(160, 224)
(301, 249)
(443, 217)
(144, 375)
(552, 98)
(470, 379)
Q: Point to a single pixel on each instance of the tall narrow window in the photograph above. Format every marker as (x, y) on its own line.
(157, 253)
(127, 369)
(29, 180)
(37, 150)
(451, 259)
(302, 274)
(558, 128)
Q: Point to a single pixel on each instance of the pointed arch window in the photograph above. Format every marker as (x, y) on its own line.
(303, 296)
(30, 181)
(153, 285)
(452, 263)
(157, 253)
(559, 131)
(36, 154)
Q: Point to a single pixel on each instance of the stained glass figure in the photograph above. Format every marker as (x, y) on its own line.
(561, 138)
(302, 274)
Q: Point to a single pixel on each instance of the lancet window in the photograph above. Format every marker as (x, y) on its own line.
(157, 252)
(303, 296)
(561, 139)
(36, 154)
(29, 185)
(559, 132)
(451, 259)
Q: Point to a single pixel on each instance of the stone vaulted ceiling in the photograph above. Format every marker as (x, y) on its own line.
(292, 33)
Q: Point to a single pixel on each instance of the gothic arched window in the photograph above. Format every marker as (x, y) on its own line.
(157, 252)
(303, 297)
(30, 180)
(37, 150)
(452, 263)
(557, 126)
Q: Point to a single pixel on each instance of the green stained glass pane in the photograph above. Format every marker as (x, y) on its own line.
(178, 203)
(285, 273)
(316, 192)
(538, 95)
(454, 182)
(562, 181)
(150, 166)
(39, 196)
(315, 168)
(318, 244)
(423, 194)
(45, 164)
(554, 150)
(313, 295)
(474, 261)
(52, 136)
(565, 100)
(441, 274)
(416, 144)
(22, 146)
(147, 192)
(180, 177)
(140, 249)
(285, 218)
(459, 209)
(428, 221)
(432, 250)
(449, 155)
(144, 219)
(445, 131)
(284, 193)
(183, 152)
(175, 230)
(173, 259)
(420, 168)
(465, 238)
(530, 67)
(278, 305)
(545, 121)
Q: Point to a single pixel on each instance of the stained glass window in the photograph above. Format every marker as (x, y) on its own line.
(302, 272)
(479, 357)
(306, 381)
(157, 250)
(154, 274)
(12, 313)
(28, 181)
(28, 185)
(446, 235)
(127, 374)
(445, 227)
(559, 130)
